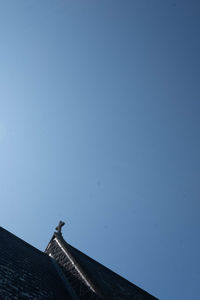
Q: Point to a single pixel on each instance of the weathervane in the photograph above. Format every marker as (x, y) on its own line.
(59, 227)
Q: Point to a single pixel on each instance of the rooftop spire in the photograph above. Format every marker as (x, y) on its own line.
(59, 227)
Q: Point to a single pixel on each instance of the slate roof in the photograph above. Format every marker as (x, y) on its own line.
(90, 279)
(62, 272)
(27, 273)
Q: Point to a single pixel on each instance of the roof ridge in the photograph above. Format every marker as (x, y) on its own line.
(78, 266)
(87, 272)
(103, 266)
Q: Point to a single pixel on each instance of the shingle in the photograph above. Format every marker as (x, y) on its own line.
(27, 273)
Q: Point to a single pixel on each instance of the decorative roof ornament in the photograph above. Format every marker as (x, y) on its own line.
(59, 227)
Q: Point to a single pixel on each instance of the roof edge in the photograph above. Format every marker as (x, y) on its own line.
(63, 244)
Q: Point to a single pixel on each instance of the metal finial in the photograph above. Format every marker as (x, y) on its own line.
(59, 227)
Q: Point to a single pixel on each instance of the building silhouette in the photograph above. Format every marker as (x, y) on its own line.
(61, 272)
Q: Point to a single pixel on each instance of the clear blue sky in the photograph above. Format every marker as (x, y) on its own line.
(100, 127)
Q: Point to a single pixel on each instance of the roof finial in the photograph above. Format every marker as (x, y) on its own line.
(59, 227)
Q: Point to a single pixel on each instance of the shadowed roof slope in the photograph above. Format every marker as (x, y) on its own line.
(27, 273)
(101, 281)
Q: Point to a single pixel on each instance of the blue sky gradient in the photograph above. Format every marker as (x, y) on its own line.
(99, 127)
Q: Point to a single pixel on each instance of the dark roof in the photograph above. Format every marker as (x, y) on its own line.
(63, 272)
(96, 279)
(27, 273)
